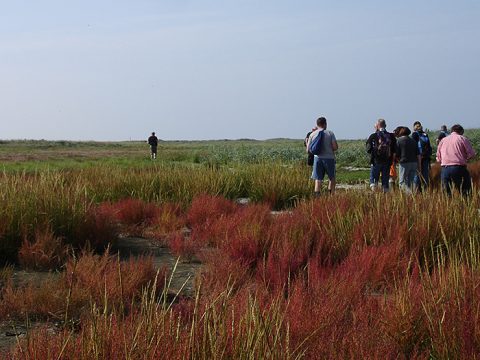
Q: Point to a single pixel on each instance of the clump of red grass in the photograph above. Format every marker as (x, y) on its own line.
(243, 235)
(229, 327)
(46, 251)
(99, 229)
(240, 231)
(184, 245)
(220, 271)
(102, 275)
(169, 220)
(133, 214)
(291, 242)
(451, 312)
(205, 210)
(435, 179)
(87, 282)
(474, 169)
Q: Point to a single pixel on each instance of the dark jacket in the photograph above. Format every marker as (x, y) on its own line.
(407, 150)
(153, 140)
(426, 148)
(310, 156)
(372, 146)
(442, 135)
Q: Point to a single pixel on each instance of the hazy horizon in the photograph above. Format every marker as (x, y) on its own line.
(118, 70)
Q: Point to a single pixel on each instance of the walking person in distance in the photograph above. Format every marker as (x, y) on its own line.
(153, 142)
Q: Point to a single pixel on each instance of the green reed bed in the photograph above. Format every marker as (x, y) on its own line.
(180, 183)
(62, 200)
(42, 200)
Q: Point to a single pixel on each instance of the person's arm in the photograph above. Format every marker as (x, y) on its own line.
(419, 161)
(308, 143)
(306, 138)
(393, 146)
(439, 152)
(369, 145)
(334, 145)
(334, 142)
(469, 149)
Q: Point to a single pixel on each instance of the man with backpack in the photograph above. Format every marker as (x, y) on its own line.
(323, 144)
(424, 147)
(381, 145)
(153, 142)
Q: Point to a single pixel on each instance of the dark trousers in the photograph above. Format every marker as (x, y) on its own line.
(458, 176)
(422, 179)
(153, 149)
(376, 170)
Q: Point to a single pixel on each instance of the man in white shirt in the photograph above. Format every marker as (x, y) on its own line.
(324, 161)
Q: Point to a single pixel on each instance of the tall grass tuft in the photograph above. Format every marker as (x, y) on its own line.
(87, 281)
(45, 252)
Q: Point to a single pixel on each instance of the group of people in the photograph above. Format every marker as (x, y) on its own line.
(412, 152)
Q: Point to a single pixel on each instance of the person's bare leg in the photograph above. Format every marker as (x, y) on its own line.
(331, 186)
(318, 186)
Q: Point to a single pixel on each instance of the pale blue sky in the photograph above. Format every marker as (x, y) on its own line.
(117, 70)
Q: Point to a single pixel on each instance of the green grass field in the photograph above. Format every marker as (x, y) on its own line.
(30, 155)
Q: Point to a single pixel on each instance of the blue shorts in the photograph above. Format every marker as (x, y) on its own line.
(322, 166)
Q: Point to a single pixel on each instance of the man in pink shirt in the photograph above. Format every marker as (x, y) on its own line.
(453, 152)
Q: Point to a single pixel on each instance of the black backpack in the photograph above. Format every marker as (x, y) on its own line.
(383, 147)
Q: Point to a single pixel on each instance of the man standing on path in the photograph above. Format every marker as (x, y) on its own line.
(324, 160)
(153, 142)
(381, 145)
(453, 153)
